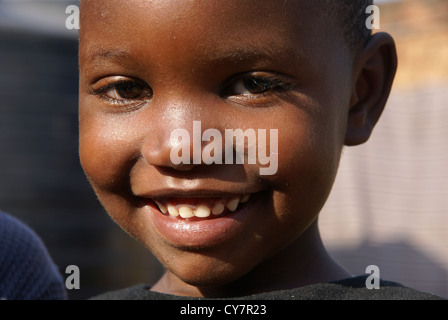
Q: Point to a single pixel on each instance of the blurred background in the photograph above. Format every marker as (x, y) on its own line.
(41, 181)
(389, 206)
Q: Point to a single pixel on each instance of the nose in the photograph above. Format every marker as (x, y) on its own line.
(160, 151)
(174, 139)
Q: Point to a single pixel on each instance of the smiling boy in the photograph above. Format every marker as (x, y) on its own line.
(148, 68)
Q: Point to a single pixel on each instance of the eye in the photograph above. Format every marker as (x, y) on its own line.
(256, 84)
(123, 91)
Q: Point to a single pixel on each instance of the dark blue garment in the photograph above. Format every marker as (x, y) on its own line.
(27, 271)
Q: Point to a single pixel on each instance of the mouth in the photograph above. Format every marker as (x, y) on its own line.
(193, 221)
(201, 208)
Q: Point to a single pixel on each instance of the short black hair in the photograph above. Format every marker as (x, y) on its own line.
(351, 16)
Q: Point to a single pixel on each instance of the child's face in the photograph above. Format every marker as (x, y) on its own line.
(150, 67)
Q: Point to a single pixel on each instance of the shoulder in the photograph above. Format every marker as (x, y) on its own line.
(26, 269)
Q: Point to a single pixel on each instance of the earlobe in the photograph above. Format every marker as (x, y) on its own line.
(374, 73)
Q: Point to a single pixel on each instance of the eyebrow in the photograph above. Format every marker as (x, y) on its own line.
(273, 54)
(241, 55)
(251, 53)
(237, 54)
(100, 57)
(100, 53)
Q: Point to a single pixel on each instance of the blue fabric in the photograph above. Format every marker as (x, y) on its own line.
(26, 269)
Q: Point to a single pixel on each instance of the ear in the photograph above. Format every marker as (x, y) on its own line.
(375, 70)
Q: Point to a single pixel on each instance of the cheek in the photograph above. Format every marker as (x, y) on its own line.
(106, 151)
(308, 162)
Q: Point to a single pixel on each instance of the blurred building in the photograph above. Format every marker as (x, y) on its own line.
(389, 206)
(41, 181)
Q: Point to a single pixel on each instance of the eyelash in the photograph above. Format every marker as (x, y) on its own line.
(124, 84)
(269, 84)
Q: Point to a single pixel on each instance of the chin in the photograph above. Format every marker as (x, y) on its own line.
(209, 273)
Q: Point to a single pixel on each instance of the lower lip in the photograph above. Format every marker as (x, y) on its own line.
(195, 233)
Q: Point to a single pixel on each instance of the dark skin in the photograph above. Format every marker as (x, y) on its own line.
(150, 67)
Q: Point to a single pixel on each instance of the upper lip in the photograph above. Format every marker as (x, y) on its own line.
(195, 193)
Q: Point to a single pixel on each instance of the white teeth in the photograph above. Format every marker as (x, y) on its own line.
(172, 211)
(218, 209)
(202, 211)
(233, 204)
(186, 212)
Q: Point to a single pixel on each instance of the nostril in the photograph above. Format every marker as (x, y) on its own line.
(160, 155)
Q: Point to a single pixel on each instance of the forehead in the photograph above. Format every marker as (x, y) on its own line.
(211, 27)
(239, 12)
